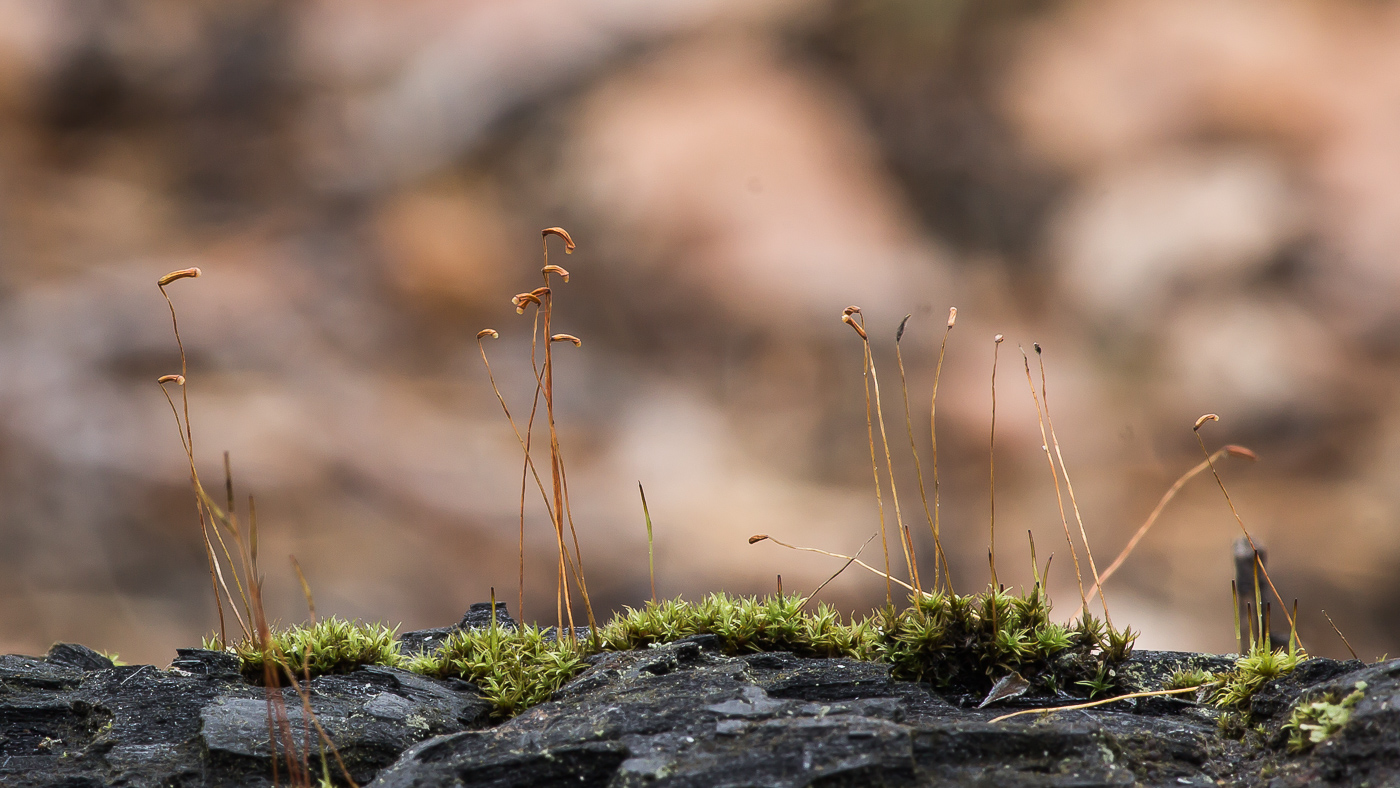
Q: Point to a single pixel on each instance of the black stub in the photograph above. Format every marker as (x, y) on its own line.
(478, 616)
(75, 656)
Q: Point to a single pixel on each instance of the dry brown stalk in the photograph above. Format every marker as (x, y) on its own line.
(1339, 634)
(1054, 472)
(1069, 487)
(913, 449)
(849, 317)
(1091, 704)
(850, 559)
(939, 556)
(1232, 450)
(1196, 430)
(992, 462)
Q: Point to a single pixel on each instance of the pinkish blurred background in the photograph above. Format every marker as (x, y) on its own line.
(1191, 204)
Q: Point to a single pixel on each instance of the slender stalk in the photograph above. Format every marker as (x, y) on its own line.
(1334, 629)
(848, 317)
(1094, 703)
(844, 566)
(849, 558)
(889, 471)
(1235, 451)
(939, 556)
(1221, 483)
(1069, 487)
(992, 462)
(651, 561)
(913, 449)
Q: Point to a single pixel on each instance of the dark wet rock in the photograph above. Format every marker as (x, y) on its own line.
(685, 715)
(682, 715)
(200, 724)
(76, 656)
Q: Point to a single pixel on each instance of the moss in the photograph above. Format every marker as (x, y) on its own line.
(332, 645)
(1315, 722)
(952, 641)
(1262, 664)
(515, 668)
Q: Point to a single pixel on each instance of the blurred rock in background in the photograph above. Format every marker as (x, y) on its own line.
(1188, 203)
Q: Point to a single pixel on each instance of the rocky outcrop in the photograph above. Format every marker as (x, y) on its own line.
(682, 714)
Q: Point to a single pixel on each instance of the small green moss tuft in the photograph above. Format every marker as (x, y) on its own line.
(332, 645)
(1251, 671)
(515, 668)
(1315, 722)
(1182, 679)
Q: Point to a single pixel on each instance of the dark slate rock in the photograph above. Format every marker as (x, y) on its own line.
(683, 715)
(200, 724)
(76, 656)
(203, 662)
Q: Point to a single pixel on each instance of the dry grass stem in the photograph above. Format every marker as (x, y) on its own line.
(1232, 450)
(992, 462)
(852, 317)
(1069, 486)
(844, 566)
(850, 559)
(913, 449)
(1346, 642)
(1094, 703)
(939, 557)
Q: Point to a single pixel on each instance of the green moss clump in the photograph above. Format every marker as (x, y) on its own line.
(1315, 722)
(949, 640)
(1252, 670)
(515, 668)
(331, 645)
(952, 641)
(743, 625)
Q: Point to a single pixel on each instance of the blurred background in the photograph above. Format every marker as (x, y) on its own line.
(1190, 204)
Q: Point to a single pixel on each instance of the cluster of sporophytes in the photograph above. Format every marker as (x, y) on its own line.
(965, 643)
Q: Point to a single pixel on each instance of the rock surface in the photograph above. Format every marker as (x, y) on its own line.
(682, 714)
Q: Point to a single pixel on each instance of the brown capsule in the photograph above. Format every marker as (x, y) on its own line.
(1241, 452)
(186, 273)
(853, 324)
(756, 538)
(562, 233)
(1202, 420)
(566, 338)
(554, 269)
(488, 332)
(522, 299)
(851, 310)
(178, 380)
